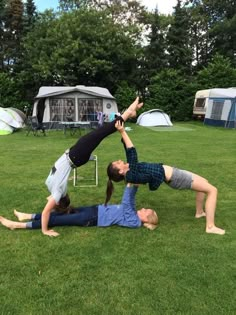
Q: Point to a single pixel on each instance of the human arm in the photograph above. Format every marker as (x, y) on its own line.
(126, 139)
(130, 216)
(51, 203)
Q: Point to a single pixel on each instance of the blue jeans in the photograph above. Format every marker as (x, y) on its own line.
(82, 216)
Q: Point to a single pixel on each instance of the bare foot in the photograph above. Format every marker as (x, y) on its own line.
(7, 223)
(134, 107)
(200, 215)
(22, 216)
(215, 230)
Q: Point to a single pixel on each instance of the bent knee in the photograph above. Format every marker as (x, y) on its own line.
(214, 189)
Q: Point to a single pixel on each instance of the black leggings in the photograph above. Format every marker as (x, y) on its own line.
(80, 153)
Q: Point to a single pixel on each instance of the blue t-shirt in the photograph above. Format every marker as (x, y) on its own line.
(123, 214)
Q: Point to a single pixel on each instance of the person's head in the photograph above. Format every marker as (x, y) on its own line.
(148, 217)
(64, 204)
(116, 172)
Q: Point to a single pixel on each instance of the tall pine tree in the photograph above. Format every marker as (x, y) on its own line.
(156, 58)
(178, 41)
(13, 30)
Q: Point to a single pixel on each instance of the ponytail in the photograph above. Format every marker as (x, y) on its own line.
(109, 191)
(113, 175)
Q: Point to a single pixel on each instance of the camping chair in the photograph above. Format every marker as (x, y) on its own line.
(93, 180)
(34, 126)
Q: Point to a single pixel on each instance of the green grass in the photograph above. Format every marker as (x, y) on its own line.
(176, 269)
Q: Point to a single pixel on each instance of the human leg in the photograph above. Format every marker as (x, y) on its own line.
(84, 216)
(12, 224)
(21, 216)
(201, 185)
(200, 198)
(181, 179)
(132, 109)
(80, 153)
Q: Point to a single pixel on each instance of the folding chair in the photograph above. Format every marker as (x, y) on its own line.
(34, 126)
(93, 180)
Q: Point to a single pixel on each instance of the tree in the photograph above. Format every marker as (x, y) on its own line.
(79, 47)
(155, 52)
(218, 73)
(124, 95)
(172, 93)
(199, 34)
(213, 29)
(30, 15)
(2, 22)
(179, 49)
(68, 5)
(13, 28)
(10, 94)
(223, 30)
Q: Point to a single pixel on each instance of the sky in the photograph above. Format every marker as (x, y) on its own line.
(164, 6)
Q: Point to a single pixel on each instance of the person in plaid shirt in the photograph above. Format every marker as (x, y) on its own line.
(154, 174)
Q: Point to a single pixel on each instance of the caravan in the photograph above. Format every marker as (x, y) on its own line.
(216, 107)
(200, 104)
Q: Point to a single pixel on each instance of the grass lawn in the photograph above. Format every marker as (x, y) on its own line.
(176, 269)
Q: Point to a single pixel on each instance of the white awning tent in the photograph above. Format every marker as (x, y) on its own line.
(221, 108)
(54, 104)
(216, 106)
(154, 117)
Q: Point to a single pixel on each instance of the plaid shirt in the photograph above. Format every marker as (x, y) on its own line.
(143, 173)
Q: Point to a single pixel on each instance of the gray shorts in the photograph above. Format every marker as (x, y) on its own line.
(180, 179)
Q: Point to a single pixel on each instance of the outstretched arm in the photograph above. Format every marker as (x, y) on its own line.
(45, 217)
(126, 139)
(131, 218)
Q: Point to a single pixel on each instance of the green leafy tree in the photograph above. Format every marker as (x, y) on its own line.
(13, 29)
(213, 29)
(10, 95)
(68, 5)
(218, 74)
(155, 52)
(199, 34)
(172, 93)
(223, 30)
(179, 48)
(79, 47)
(30, 15)
(124, 95)
(2, 40)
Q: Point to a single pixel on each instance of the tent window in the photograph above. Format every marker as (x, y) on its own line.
(200, 102)
(88, 109)
(62, 109)
(217, 108)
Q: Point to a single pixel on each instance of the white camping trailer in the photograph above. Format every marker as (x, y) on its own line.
(203, 97)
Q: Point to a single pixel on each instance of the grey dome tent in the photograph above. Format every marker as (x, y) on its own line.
(154, 117)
